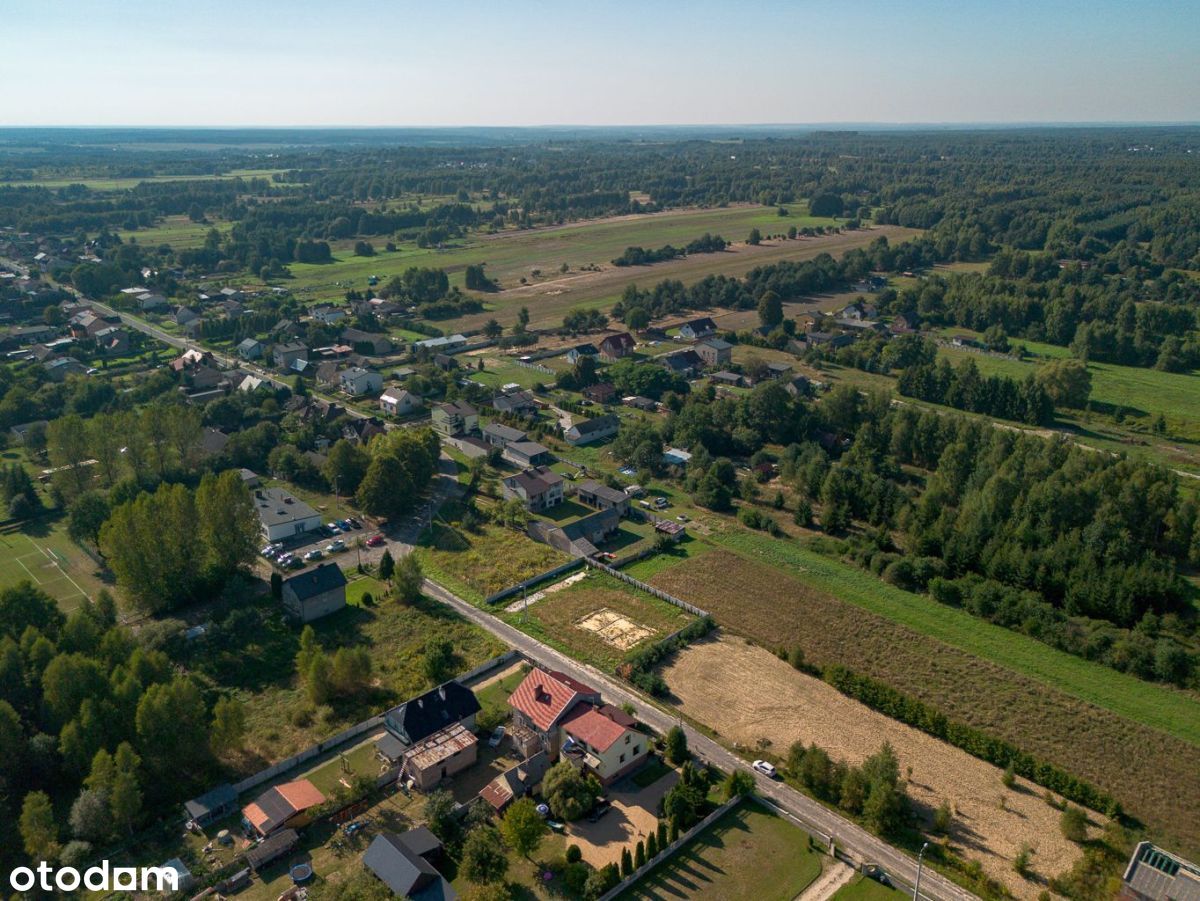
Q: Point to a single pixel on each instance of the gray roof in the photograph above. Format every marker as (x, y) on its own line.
(603, 491)
(313, 582)
(390, 746)
(219, 798)
(1159, 875)
(404, 871)
(274, 847)
(528, 449)
(599, 424)
(717, 343)
(534, 481)
(276, 507)
(503, 432)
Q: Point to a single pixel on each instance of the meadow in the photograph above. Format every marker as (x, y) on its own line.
(178, 231)
(41, 552)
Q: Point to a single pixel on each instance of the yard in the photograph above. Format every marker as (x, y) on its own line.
(749, 854)
(861, 888)
(41, 552)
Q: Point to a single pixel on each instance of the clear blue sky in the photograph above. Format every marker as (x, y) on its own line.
(520, 62)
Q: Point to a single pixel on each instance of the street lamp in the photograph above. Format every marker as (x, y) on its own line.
(920, 861)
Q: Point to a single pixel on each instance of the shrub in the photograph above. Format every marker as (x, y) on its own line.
(574, 855)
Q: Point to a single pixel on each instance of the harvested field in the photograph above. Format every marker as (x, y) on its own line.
(614, 629)
(1154, 775)
(748, 694)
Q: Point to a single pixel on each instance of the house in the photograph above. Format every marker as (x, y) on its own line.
(527, 453)
(327, 373)
(682, 362)
(540, 703)
(361, 429)
(858, 311)
(328, 315)
(370, 343)
(31, 334)
(390, 749)
(59, 368)
(402, 862)
(674, 456)
(1154, 874)
(470, 447)
(445, 362)
(444, 754)
(862, 326)
(582, 536)
(696, 329)
(250, 349)
(86, 324)
(112, 342)
(645, 404)
(192, 358)
(446, 344)
(537, 489)
(579, 351)
(399, 402)
(600, 393)
(962, 341)
(714, 351)
(455, 418)
(357, 381)
(232, 293)
(594, 494)
(517, 402)
(211, 806)
(604, 740)
(282, 515)
(904, 324)
(287, 353)
(285, 806)
(827, 339)
(315, 593)
(727, 379)
(212, 441)
(776, 370)
(588, 430)
(403, 373)
(798, 386)
(23, 429)
(231, 309)
(149, 302)
(516, 782)
(439, 708)
(498, 434)
(251, 383)
(264, 854)
(614, 347)
(184, 315)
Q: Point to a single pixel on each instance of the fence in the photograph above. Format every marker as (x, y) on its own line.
(536, 367)
(637, 583)
(666, 853)
(531, 581)
(308, 754)
(488, 665)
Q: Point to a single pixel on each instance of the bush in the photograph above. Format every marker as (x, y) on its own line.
(574, 855)
(1073, 824)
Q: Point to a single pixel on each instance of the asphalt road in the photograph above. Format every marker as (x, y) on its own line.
(810, 815)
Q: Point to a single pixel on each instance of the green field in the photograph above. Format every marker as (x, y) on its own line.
(748, 854)
(108, 183)
(860, 888)
(178, 231)
(1173, 712)
(43, 553)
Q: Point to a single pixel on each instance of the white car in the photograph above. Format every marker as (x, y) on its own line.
(314, 554)
(765, 768)
(335, 546)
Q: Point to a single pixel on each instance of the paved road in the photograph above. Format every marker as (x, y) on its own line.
(810, 815)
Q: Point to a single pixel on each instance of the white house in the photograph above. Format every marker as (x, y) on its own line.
(357, 381)
(282, 515)
(399, 402)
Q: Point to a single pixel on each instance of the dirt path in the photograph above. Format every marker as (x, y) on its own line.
(750, 697)
(833, 877)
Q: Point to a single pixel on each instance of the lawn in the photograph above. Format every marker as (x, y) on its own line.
(861, 888)
(749, 853)
(357, 761)
(495, 695)
(41, 552)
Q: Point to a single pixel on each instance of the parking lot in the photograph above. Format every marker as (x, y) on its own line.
(331, 540)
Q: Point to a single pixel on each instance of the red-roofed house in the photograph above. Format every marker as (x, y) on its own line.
(284, 806)
(540, 704)
(604, 740)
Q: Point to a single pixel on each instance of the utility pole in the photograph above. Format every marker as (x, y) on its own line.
(920, 862)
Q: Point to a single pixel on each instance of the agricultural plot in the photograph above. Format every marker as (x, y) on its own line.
(749, 854)
(49, 559)
(751, 697)
(178, 231)
(991, 683)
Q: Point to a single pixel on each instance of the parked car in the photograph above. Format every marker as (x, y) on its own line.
(603, 806)
(294, 563)
(682, 517)
(661, 503)
(331, 528)
(376, 541)
(354, 523)
(271, 550)
(344, 525)
(765, 768)
(335, 546)
(497, 736)
(314, 554)
(605, 555)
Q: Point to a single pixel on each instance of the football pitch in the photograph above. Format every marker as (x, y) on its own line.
(52, 562)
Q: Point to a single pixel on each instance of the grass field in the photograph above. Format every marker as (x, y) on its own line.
(972, 671)
(860, 888)
(43, 553)
(747, 854)
(178, 231)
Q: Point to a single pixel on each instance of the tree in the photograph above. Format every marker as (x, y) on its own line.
(770, 309)
(351, 670)
(172, 726)
(637, 318)
(651, 846)
(755, 237)
(439, 815)
(86, 516)
(522, 321)
(639, 855)
(739, 783)
(483, 857)
(23, 606)
(318, 679)
(228, 724)
(1067, 382)
(126, 799)
(523, 827)
(228, 527)
(387, 565)
(345, 467)
(438, 659)
(569, 793)
(492, 329)
(91, 816)
(626, 862)
(677, 746)
(408, 578)
(39, 832)
(1073, 823)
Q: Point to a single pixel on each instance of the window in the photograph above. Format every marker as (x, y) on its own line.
(626, 739)
(622, 758)
(637, 749)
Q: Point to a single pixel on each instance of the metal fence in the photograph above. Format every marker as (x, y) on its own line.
(308, 754)
(637, 583)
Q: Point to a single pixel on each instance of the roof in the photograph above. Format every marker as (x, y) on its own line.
(389, 746)
(681, 359)
(593, 728)
(621, 340)
(420, 717)
(515, 781)
(703, 323)
(405, 872)
(544, 697)
(313, 582)
(218, 798)
(442, 341)
(277, 507)
(503, 432)
(421, 841)
(528, 449)
(537, 480)
(458, 408)
(599, 424)
(716, 344)
(274, 847)
(585, 349)
(1159, 875)
(440, 747)
(277, 805)
(397, 395)
(603, 491)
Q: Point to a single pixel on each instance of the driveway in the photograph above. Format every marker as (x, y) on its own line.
(634, 815)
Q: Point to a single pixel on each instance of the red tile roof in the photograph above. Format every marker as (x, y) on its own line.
(544, 697)
(301, 794)
(589, 725)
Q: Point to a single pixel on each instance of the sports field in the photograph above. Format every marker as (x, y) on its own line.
(52, 562)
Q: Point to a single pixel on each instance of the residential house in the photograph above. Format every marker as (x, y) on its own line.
(540, 703)
(327, 373)
(232, 293)
(773, 370)
(858, 311)
(86, 324)
(455, 418)
(60, 367)
(357, 381)
(285, 806)
(580, 537)
(715, 351)
(697, 329)
(252, 383)
(372, 343)
(585, 431)
(250, 349)
(685, 363)
(600, 393)
(798, 386)
(231, 309)
(498, 434)
(211, 806)
(148, 303)
(31, 334)
(404, 863)
(903, 324)
(827, 339)
(287, 353)
(112, 342)
(600, 496)
(675, 456)
(328, 315)
(315, 592)
(439, 708)
(446, 344)
(516, 782)
(527, 454)
(1154, 874)
(184, 315)
(537, 489)
(360, 429)
(727, 379)
(212, 441)
(614, 347)
(516, 402)
(282, 515)
(191, 358)
(403, 373)
(604, 740)
(445, 753)
(445, 362)
(579, 351)
(862, 326)
(645, 404)
(399, 402)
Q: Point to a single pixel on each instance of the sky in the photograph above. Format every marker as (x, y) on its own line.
(561, 62)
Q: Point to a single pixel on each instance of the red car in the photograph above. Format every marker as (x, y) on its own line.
(376, 541)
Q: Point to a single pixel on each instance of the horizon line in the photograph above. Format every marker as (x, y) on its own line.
(982, 123)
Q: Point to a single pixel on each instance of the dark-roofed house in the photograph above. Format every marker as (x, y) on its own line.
(614, 347)
(526, 453)
(698, 328)
(714, 351)
(682, 362)
(272, 849)
(537, 489)
(1157, 875)
(286, 354)
(285, 806)
(250, 349)
(515, 402)
(371, 343)
(600, 496)
(516, 782)
(211, 806)
(600, 393)
(577, 353)
(315, 593)
(455, 418)
(396, 861)
(420, 717)
(588, 430)
(498, 434)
